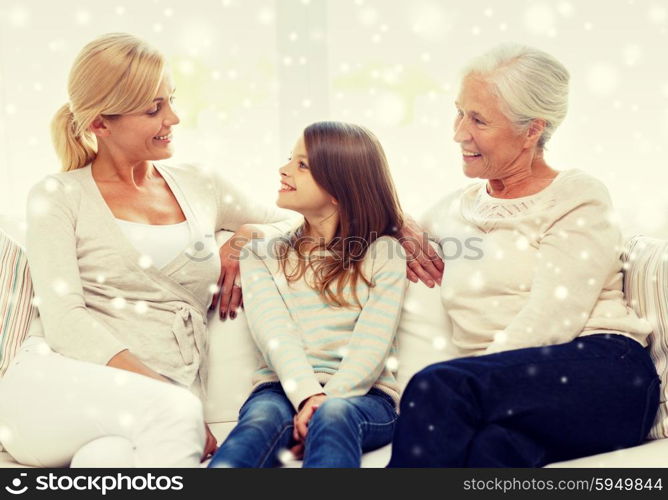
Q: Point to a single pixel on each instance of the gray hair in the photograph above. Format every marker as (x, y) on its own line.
(530, 83)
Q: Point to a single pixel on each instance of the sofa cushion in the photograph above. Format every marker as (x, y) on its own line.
(649, 454)
(16, 294)
(646, 290)
(232, 361)
(424, 332)
(14, 227)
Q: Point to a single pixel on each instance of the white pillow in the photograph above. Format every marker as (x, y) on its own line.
(646, 290)
(424, 333)
(232, 361)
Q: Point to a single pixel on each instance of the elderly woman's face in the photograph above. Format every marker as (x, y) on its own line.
(491, 146)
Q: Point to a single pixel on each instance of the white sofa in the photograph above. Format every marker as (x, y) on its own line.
(423, 339)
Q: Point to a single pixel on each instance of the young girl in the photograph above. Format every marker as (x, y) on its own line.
(323, 307)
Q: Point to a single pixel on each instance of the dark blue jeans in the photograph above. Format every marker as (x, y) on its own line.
(338, 433)
(528, 407)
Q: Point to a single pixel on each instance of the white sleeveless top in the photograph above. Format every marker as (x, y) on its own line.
(158, 244)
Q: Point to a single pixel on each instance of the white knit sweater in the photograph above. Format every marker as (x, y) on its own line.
(532, 271)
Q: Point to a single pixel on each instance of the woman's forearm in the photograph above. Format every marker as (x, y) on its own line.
(125, 360)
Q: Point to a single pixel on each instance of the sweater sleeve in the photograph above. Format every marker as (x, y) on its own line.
(276, 334)
(373, 335)
(577, 254)
(236, 208)
(51, 246)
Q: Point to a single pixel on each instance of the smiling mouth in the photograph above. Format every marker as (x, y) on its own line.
(469, 154)
(286, 188)
(167, 137)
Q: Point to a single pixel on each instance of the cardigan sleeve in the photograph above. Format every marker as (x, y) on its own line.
(578, 253)
(51, 246)
(236, 208)
(276, 334)
(375, 329)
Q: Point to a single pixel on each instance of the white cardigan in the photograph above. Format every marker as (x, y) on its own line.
(97, 295)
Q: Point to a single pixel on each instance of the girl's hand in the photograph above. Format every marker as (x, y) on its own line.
(229, 282)
(303, 417)
(423, 261)
(298, 451)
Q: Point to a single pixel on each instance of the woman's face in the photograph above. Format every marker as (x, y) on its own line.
(145, 135)
(298, 190)
(492, 148)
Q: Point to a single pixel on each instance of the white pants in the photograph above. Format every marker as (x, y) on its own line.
(57, 411)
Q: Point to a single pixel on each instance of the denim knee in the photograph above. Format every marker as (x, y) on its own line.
(332, 411)
(259, 410)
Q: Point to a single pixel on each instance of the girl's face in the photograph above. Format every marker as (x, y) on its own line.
(145, 135)
(299, 191)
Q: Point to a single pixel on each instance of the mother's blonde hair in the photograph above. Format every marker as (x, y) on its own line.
(114, 74)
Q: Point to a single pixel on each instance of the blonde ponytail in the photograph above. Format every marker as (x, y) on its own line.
(113, 75)
(74, 149)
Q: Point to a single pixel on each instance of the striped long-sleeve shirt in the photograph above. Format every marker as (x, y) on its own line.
(312, 347)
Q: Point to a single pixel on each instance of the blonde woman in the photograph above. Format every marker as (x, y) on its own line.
(124, 266)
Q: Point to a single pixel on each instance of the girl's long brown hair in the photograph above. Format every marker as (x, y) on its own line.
(349, 163)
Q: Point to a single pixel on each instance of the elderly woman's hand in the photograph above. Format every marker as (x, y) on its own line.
(423, 261)
(229, 283)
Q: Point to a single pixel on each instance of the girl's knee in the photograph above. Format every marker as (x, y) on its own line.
(332, 410)
(267, 409)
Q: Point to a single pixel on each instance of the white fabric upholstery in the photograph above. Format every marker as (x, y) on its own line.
(232, 362)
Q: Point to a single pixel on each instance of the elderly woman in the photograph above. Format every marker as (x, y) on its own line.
(557, 365)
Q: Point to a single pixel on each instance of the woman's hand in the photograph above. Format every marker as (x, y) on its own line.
(301, 421)
(125, 360)
(229, 282)
(211, 444)
(423, 261)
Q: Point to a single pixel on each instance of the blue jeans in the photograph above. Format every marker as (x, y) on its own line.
(528, 407)
(338, 433)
